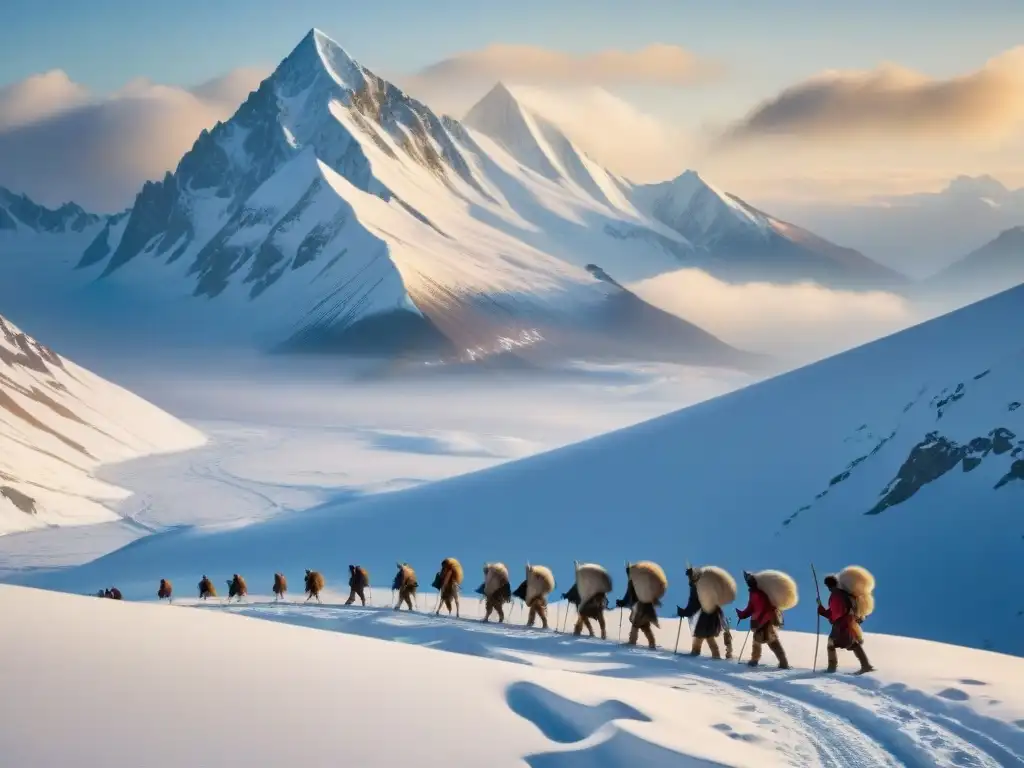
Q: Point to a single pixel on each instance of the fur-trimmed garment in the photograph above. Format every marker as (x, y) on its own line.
(858, 582)
(206, 588)
(314, 584)
(591, 580)
(495, 577)
(451, 569)
(406, 584)
(237, 587)
(280, 584)
(710, 588)
(539, 582)
(165, 590)
(779, 587)
(358, 577)
(648, 580)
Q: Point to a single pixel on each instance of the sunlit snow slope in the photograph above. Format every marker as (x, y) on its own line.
(904, 455)
(58, 422)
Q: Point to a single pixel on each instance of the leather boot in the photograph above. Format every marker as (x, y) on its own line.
(634, 633)
(780, 653)
(865, 665)
(833, 659)
(695, 646)
(728, 644)
(649, 633)
(713, 645)
(755, 654)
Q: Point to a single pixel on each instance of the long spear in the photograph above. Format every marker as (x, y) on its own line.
(817, 630)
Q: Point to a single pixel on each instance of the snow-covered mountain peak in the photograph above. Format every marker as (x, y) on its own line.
(20, 213)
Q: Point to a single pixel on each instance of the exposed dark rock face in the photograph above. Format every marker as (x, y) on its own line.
(1016, 473)
(15, 209)
(23, 502)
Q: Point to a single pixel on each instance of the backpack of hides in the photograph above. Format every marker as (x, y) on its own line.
(859, 584)
(715, 588)
(780, 588)
(539, 582)
(591, 580)
(495, 577)
(649, 581)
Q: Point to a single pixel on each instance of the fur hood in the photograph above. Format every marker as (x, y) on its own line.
(715, 587)
(649, 581)
(539, 581)
(455, 566)
(591, 580)
(860, 583)
(495, 577)
(780, 588)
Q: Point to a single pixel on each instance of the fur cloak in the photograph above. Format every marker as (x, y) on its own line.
(780, 588)
(165, 589)
(206, 588)
(539, 582)
(455, 566)
(858, 582)
(237, 587)
(649, 581)
(280, 584)
(314, 582)
(591, 580)
(495, 577)
(359, 577)
(406, 577)
(715, 587)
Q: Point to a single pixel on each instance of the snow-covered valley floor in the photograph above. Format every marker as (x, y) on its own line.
(142, 684)
(284, 438)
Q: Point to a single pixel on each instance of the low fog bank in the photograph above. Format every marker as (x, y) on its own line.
(797, 324)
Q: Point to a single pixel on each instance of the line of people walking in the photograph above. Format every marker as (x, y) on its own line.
(711, 589)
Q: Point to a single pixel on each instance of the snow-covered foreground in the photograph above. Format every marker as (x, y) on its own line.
(166, 686)
(283, 439)
(58, 424)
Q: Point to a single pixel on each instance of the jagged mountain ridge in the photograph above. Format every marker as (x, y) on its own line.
(333, 211)
(57, 423)
(18, 214)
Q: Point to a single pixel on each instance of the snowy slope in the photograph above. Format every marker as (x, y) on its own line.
(58, 422)
(184, 686)
(734, 240)
(996, 266)
(904, 454)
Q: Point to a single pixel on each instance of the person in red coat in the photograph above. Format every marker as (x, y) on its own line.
(763, 620)
(846, 632)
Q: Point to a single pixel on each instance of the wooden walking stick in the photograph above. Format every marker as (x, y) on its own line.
(817, 631)
(679, 631)
(739, 659)
(620, 624)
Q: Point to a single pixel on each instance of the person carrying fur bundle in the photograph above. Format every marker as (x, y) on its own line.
(711, 588)
(590, 596)
(647, 584)
(237, 587)
(539, 584)
(449, 579)
(314, 585)
(496, 590)
(358, 581)
(850, 602)
(206, 588)
(280, 586)
(406, 585)
(164, 591)
(113, 593)
(771, 593)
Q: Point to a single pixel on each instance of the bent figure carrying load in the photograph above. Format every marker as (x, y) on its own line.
(405, 583)
(590, 595)
(710, 588)
(850, 602)
(358, 581)
(771, 593)
(449, 579)
(496, 590)
(647, 584)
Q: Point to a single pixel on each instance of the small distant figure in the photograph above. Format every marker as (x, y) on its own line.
(850, 602)
(165, 590)
(314, 585)
(406, 584)
(237, 587)
(449, 579)
(647, 584)
(590, 596)
(711, 588)
(280, 586)
(206, 588)
(112, 593)
(539, 584)
(771, 593)
(496, 591)
(358, 581)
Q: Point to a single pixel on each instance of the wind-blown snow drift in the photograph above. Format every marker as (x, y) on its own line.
(903, 455)
(58, 422)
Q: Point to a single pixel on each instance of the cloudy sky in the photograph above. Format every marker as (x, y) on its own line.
(795, 101)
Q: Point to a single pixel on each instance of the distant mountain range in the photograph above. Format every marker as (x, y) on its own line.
(334, 212)
(995, 266)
